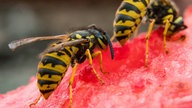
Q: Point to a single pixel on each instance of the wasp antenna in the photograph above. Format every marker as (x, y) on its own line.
(11, 46)
(110, 46)
(92, 26)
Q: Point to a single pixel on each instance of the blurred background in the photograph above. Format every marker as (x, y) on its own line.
(27, 18)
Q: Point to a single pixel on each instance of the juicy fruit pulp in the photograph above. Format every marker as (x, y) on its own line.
(128, 84)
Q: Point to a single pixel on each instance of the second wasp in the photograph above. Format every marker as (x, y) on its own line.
(160, 12)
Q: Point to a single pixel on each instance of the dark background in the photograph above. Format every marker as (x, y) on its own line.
(27, 18)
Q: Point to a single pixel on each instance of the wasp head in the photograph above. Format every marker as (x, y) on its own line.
(102, 38)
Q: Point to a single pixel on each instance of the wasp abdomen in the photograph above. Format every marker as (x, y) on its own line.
(53, 61)
(129, 6)
(128, 17)
(44, 71)
(51, 70)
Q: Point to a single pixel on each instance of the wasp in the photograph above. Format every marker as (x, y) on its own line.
(70, 49)
(128, 18)
(166, 13)
(130, 14)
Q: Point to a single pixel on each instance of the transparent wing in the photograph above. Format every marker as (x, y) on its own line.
(175, 6)
(63, 44)
(17, 43)
(172, 3)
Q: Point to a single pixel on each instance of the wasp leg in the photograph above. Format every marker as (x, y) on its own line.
(70, 85)
(88, 54)
(112, 38)
(98, 53)
(147, 41)
(167, 25)
(136, 31)
(36, 101)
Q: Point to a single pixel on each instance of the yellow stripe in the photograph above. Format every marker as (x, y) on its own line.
(133, 28)
(131, 13)
(126, 23)
(178, 20)
(170, 10)
(119, 33)
(45, 86)
(101, 43)
(75, 49)
(138, 21)
(54, 55)
(123, 41)
(155, 3)
(90, 44)
(65, 58)
(143, 13)
(139, 5)
(78, 36)
(172, 27)
(166, 18)
(46, 77)
(91, 37)
(58, 68)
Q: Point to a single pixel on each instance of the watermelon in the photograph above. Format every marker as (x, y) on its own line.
(165, 83)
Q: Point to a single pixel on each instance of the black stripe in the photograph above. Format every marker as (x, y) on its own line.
(129, 7)
(99, 45)
(49, 72)
(104, 41)
(53, 61)
(119, 38)
(59, 42)
(171, 31)
(124, 18)
(60, 53)
(43, 82)
(144, 2)
(46, 91)
(122, 28)
(67, 52)
(80, 32)
(98, 34)
(71, 49)
(82, 59)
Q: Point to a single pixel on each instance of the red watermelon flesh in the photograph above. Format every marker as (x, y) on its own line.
(165, 83)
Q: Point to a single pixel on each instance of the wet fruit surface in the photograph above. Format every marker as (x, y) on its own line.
(165, 83)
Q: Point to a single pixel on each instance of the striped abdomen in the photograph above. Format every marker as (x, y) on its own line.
(51, 70)
(128, 17)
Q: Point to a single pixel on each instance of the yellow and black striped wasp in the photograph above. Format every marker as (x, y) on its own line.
(130, 14)
(128, 19)
(164, 13)
(71, 49)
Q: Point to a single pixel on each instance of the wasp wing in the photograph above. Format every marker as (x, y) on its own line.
(63, 44)
(173, 4)
(17, 43)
